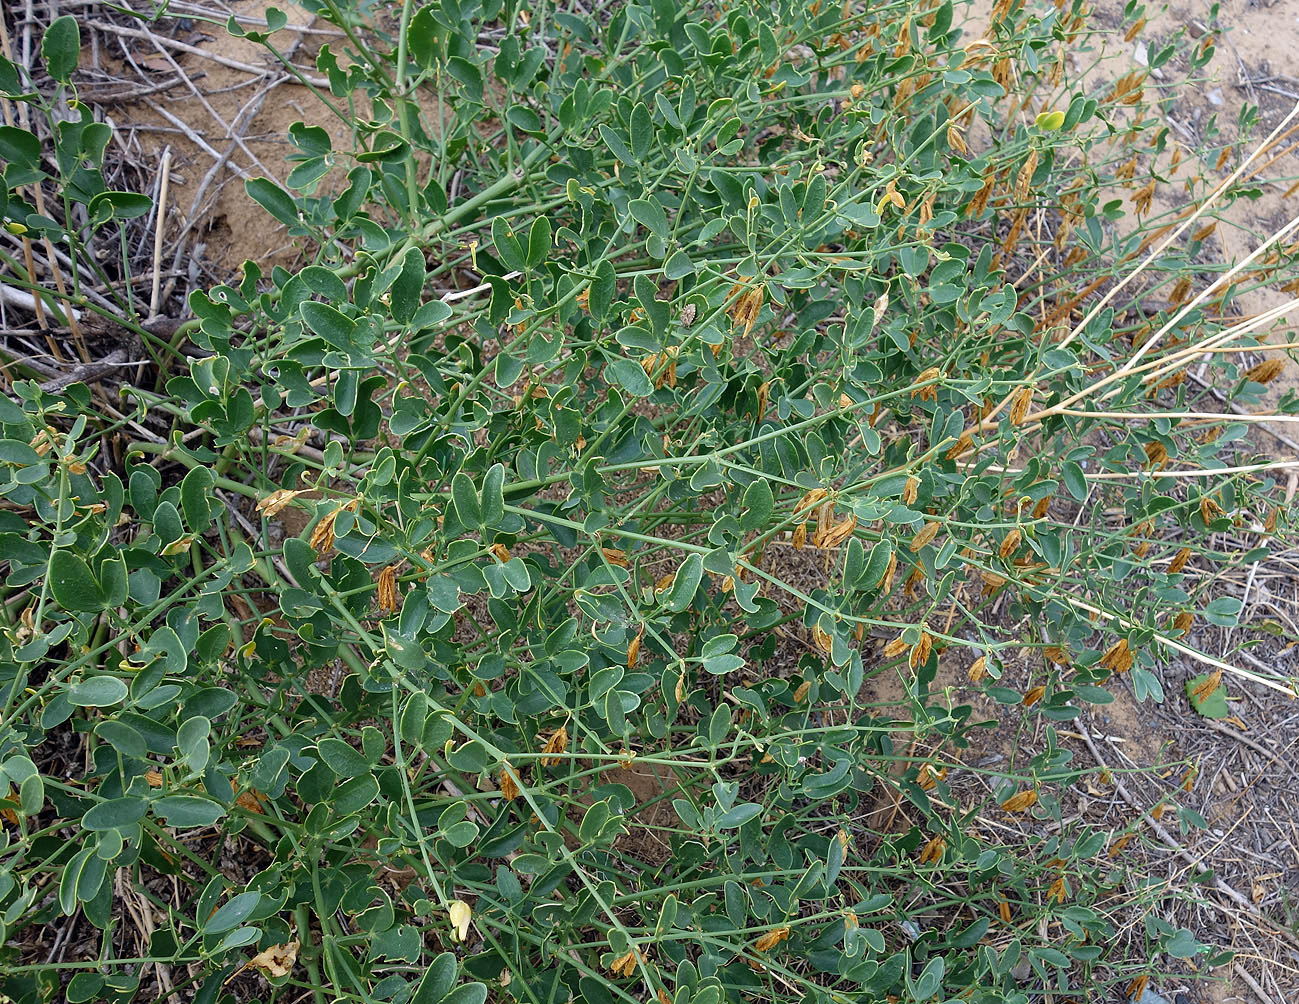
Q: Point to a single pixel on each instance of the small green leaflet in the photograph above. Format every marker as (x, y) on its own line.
(686, 582)
(1210, 703)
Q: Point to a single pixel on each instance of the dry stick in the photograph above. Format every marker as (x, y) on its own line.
(1184, 356)
(1171, 841)
(229, 132)
(1272, 138)
(233, 64)
(21, 298)
(306, 29)
(247, 114)
(1207, 416)
(1160, 368)
(89, 292)
(1204, 206)
(37, 306)
(1272, 755)
(1253, 984)
(1208, 660)
(157, 234)
(196, 139)
(1270, 465)
(57, 272)
(120, 95)
(1260, 347)
(1172, 322)
(87, 372)
(1238, 412)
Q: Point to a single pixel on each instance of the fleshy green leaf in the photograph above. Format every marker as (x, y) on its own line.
(73, 584)
(61, 47)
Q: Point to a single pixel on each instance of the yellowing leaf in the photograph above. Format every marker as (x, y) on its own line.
(1050, 121)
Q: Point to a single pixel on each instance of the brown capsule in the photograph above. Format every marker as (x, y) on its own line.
(277, 500)
(1020, 404)
(1266, 371)
(812, 498)
(926, 384)
(387, 589)
(556, 744)
(886, 580)
(322, 537)
(920, 651)
(1057, 655)
(1204, 690)
(925, 536)
(1118, 657)
(1025, 176)
(1020, 801)
(963, 445)
(932, 851)
(771, 939)
(625, 964)
(837, 533)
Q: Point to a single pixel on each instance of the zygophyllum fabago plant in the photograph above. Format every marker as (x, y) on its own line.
(497, 603)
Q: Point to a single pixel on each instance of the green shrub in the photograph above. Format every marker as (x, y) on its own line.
(661, 385)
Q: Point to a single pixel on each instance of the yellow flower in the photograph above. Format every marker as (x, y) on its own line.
(460, 914)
